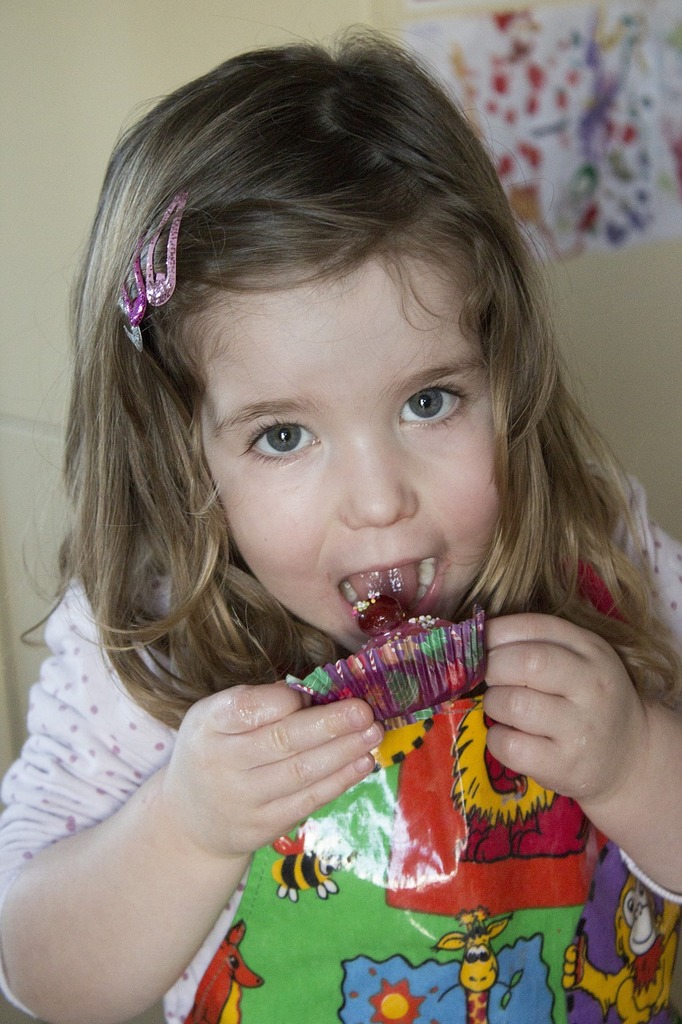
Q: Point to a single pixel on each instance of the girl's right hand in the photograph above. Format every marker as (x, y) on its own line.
(252, 761)
(247, 765)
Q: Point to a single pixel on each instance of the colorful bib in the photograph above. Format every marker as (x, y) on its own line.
(444, 889)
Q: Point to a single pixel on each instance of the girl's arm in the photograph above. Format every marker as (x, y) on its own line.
(645, 818)
(96, 927)
(568, 715)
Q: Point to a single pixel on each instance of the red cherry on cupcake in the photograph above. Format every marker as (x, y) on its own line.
(379, 614)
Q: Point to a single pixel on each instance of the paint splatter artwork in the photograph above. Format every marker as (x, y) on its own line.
(581, 107)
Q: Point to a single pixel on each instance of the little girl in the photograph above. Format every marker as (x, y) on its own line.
(313, 365)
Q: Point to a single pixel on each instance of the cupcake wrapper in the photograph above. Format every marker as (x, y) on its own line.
(408, 674)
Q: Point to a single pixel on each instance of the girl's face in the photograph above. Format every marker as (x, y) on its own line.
(348, 427)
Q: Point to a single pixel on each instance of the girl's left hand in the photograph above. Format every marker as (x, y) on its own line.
(565, 711)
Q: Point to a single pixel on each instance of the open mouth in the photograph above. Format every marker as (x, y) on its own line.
(407, 583)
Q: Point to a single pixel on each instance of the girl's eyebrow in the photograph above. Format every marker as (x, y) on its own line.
(245, 414)
(290, 408)
(426, 376)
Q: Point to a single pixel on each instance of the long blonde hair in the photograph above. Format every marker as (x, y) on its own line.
(303, 162)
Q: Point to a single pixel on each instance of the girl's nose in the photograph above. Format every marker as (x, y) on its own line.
(377, 488)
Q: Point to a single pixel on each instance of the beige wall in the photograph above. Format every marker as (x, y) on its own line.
(71, 74)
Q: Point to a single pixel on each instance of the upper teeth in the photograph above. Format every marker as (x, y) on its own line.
(348, 592)
(426, 572)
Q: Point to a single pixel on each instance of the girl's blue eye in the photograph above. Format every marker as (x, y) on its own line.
(283, 439)
(430, 404)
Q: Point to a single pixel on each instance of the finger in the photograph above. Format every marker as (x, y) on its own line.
(243, 709)
(532, 756)
(533, 627)
(349, 755)
(307, 729)
(527, 710)
(540, 665)
(284, 812)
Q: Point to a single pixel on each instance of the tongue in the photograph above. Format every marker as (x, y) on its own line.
(401, 583)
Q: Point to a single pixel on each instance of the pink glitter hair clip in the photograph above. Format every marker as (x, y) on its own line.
(153, 287)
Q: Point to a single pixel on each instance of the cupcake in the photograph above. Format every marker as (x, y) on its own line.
(408, 669)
